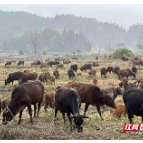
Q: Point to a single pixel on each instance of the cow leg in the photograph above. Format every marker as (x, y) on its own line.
(130, 115)
(56, 111)
(34, 110)
(30, 113)
(70, 120)
(46, 106)
(98, 109)
(20, 115)
(39, 106)
(86, 107)
(64, 118)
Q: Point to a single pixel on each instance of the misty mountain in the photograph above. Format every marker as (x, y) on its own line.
(99, 34)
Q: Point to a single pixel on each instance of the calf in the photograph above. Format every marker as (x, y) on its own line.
(71, 74)
(51, 63)
(66, 62)
(119, 111)
(133, 99)
(92, 72)
(67, 100)
(49, 99)
(20, 63)
(60, 66)
(91, 94)
(44, 77)
(44, 64)
(24, 96)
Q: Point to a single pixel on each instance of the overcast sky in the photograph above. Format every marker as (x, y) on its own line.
(121, 14)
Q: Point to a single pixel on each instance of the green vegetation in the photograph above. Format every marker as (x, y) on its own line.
(44, 52)
(121, 52)
(21, 53)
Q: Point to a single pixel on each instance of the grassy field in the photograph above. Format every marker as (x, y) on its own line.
(44, 127)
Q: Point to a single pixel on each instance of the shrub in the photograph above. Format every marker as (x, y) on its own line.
(21, 53)
(121, 52)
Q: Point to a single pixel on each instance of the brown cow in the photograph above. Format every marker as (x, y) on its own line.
(49, 100)
(66, 62)
(56, 74)
(44, 77)
(92, 72)
(95, 81)
(112, 91)
(60, 66)
(95, 65)
(44, 64)
(71, 74)
(3, 104)
(29, 76)
(24, 96)
(137, 62)
(119, 111)
(91, 94)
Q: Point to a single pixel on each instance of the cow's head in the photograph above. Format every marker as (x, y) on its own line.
(7, 116)
(78, 120)
(5, 82)
(109, 101)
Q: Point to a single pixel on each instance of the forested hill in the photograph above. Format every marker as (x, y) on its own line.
(100, 34)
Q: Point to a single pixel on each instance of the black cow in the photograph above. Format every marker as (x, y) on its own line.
(133, 99)
(13, 76)
(131, 73)
(74, 67)
(103, 72)
(110, 69)
(70, 73)
(20, 63)
(67, 100)
(124, 58)
(134, 69)
(8, 63)
(51, 63)
(86, 66)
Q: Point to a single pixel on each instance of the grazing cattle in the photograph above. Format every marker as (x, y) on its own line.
(71, 74)
(78, 74)
(51, 63)
(91, 94)
(124, 58)
(119, 111)
(92, 72)
(60, 66)
(56, 74)
(8, 63)
(44, 64)
(86, 67)
(74, 67)
(3, 104)
(95, 81)
(133, 99)
(66, 62)
(38, 63)
(137, 62)
(114, 92)
(44, 77)
(49, 99)
(74, 58)
(126, 73)
(110, 69)
(28, 76)
(13, 76)
(35, 63)
(116, 70)
(134, 69)
(129, 85)
(67, 100)
(24, 96)
(20, 63)
(103, 72)
(95, 65)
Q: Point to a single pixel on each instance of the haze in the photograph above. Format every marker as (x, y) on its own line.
(124, 15)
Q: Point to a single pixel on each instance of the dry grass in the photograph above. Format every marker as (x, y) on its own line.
(44, 128)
